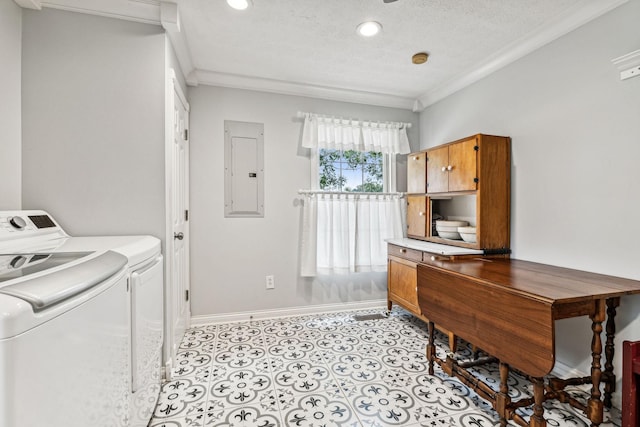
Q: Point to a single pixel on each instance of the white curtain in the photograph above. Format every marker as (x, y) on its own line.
(341, 134)
(345, 233)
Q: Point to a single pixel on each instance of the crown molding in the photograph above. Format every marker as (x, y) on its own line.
(170, 21)
(213, 78)
(29, 4)
(170, 17)
(165, 13)
(144, 11)
(562, 25)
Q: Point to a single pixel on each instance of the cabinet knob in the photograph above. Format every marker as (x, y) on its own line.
(404, 251)
(433, 258)
(449, 167)
(421, 213)
(444, 169)
(416, 157)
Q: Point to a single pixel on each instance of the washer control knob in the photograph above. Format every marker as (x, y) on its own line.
(18, 261)
(18, 222)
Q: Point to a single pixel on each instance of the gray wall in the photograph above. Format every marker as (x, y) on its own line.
(576, 145)
(10, 117)
(230, 257)
(93, 122)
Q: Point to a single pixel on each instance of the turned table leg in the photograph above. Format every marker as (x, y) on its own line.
(537, 419)
(594, 404)
(609, 349)
(431, 348)
(503, 399)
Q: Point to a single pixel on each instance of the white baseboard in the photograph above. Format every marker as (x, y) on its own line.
(561, 370)
(287, 312)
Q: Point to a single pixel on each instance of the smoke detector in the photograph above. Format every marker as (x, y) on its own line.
(420, 58)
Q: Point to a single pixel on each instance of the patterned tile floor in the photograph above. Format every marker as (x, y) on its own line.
(328, 370)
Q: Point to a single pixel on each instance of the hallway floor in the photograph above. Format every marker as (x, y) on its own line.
(329, 370)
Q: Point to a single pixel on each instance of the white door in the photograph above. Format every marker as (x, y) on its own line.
(177, 306)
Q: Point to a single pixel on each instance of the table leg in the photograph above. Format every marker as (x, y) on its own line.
(609, 349)
(502, 398)
(537, 419)
(453, 344)
(431, 348)
(594, 404)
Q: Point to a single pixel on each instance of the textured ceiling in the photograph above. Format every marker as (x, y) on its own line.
(314, 41)
(289, 45)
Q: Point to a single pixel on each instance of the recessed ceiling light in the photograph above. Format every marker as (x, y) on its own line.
(420, 58)
(368, 29)
(239, 4)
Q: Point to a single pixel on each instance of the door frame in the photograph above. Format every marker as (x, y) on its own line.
(172, 86)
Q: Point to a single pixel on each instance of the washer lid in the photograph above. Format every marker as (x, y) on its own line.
(48, 289)
(137, 248)
(17, 265)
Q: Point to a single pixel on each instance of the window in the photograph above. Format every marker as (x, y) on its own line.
(346, 232)
(351, 171)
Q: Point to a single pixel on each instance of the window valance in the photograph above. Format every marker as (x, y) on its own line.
(345, 134)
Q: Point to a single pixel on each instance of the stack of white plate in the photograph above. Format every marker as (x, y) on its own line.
(449, 229)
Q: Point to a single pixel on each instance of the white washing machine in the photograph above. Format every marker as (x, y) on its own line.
(142, 329)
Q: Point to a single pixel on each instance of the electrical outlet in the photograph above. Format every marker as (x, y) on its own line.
(270, 282)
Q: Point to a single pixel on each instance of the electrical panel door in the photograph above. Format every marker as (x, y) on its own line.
(244, 169)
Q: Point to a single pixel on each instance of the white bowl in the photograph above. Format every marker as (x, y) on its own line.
(468, 230)
(452, 235)
(468, 234)
(447, 228)
(452, 223)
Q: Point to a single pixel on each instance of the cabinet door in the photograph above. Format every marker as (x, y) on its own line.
(417, 216)
(416, 172)
(437, 178)
(462, 166)
(403, 283)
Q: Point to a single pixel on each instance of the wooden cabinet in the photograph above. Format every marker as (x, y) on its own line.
(417, 173)
(402, 282)
(473, 172)
(417, 216)
(453, 167)
(402, 278)
(466, 179)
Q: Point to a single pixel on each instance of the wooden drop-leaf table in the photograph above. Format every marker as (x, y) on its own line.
(507, 308)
